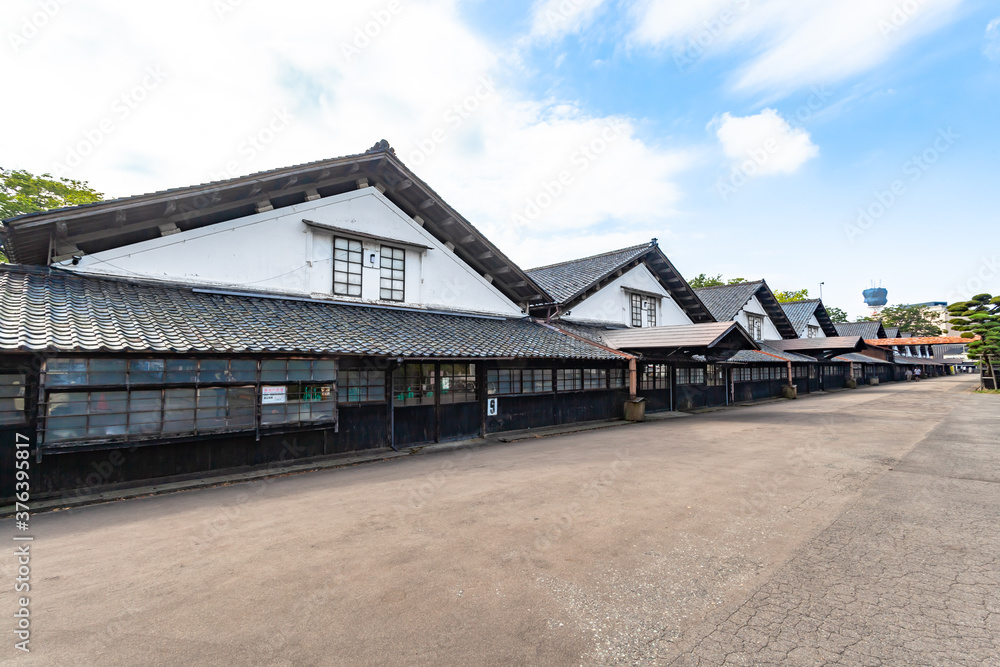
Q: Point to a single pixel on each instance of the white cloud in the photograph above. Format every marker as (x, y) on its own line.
(767, 140)
(790, 42)
(347, 74)
(991, 46)
(551, 19)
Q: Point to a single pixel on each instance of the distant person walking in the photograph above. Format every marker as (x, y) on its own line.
(916, 373)
(909, 375)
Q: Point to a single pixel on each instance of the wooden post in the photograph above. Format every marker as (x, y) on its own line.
(790, 373)
(632, 384)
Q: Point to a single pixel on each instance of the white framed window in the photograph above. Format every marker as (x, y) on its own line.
(755, 325)
(812, 331)
(650, 312)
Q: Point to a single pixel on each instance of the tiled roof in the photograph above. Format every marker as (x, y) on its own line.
(591, 331)
(799, 313)
(566, 279)
(828, 343)
(769, 355)
(892, 332)
(682, 335)
(924, 361)
(858, 358)
(725, 301)
(921, 340)
(53, 310)
(866, 330)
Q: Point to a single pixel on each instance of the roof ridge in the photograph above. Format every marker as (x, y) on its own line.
(746, 282)
(583, 259)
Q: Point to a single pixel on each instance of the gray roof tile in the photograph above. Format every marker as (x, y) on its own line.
(48, 309)
(566, 279)
(725, 301)
(866, 330)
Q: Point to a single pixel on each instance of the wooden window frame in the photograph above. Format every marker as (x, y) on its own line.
(396, 277)
(346, 266)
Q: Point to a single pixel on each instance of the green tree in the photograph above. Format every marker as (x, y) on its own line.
(792, 296)
(916, 320)
(701, 280)
(980, 316)
(23, 192)
(836, 314)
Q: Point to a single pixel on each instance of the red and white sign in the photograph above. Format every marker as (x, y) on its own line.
(270, 395)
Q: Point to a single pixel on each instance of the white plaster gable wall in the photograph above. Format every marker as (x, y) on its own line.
(275, 251)
(815, 323)
(768, 331)
(611, 303)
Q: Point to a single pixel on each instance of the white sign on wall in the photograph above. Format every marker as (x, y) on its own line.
(491, 407)
(273, 395)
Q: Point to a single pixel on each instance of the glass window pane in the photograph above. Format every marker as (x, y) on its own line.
(273, 370)
(243, 370)
(107, 371)
(68, 404)
(65, 372)
(324, 370)
(178, 410)
(181, 370)
(108, 413)
(146, 371)
(213, 370)
(144, 412)
(65, 428)
(299, 369)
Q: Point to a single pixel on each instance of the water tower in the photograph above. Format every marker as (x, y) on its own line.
(876, 298)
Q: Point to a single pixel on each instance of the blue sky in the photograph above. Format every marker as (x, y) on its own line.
(745, 135)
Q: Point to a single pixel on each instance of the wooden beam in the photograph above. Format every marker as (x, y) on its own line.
(194, 192)
(186, 212)
(426, 204)
(484, 255)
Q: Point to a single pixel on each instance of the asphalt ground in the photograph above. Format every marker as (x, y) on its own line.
(853, 528)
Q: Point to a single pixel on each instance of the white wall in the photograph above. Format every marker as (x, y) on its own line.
(768, 331)
(275, 251)
(611, 303)
(814, 322)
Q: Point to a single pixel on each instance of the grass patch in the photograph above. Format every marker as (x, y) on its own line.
(988, 391)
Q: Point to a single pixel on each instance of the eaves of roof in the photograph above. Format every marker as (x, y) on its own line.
(38, 238)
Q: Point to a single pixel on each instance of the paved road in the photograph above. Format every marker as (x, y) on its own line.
(854, 528)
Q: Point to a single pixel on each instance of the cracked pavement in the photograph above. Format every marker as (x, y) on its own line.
(856, 528)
